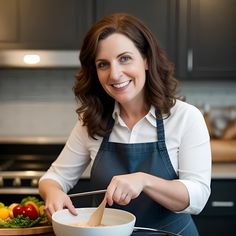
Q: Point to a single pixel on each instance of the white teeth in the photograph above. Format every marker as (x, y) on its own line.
(121, 85)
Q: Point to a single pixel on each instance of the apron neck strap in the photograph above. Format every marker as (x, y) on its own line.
(160, 131)
(110, 125)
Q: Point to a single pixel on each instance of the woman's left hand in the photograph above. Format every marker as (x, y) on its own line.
(123, 188)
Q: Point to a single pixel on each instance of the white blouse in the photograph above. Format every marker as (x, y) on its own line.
(187, 142)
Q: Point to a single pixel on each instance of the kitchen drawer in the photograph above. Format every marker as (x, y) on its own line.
(222, 201)
(219, 215)
(215, 225)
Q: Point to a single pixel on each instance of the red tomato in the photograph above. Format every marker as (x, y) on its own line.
(31, 212)
(18, 210)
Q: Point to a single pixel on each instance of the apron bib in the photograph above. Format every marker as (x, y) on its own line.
(118, 158)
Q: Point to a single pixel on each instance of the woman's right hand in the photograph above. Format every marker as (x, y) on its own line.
(55, 198)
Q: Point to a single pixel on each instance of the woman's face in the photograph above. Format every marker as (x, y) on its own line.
(121, 69)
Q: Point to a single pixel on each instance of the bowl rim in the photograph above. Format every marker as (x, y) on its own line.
(93, 227)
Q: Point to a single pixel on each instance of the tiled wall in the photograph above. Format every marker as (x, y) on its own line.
(37, 102)
(214, 93)
(41, 102)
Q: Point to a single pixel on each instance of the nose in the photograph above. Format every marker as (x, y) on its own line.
(115, 71)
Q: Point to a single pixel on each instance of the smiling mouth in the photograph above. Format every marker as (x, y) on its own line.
(121, 85)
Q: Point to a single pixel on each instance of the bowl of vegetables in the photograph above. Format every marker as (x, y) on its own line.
(27, 213)
(115, 222)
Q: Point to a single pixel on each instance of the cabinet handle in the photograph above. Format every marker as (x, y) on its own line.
(190, 60)
(222, 204)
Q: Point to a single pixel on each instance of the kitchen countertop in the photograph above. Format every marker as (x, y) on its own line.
(224, 170)
(33, 139)
(219, 171)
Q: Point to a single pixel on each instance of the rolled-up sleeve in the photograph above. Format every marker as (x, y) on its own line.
(195, 161)
(72, 161)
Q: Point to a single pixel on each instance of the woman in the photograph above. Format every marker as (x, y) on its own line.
(150, 150)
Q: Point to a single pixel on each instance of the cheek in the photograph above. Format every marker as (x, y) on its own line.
(138, 72)
(139, 67)
(101, 77)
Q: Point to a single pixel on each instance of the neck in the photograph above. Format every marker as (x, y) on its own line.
(132, 114)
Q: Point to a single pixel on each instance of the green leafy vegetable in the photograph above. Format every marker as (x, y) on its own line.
(20, 222)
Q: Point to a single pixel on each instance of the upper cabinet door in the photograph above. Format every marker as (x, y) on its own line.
(159, 15)
(46, 24)
(207, 39)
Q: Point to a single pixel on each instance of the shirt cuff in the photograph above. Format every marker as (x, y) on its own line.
(53, 176)
(198, 196)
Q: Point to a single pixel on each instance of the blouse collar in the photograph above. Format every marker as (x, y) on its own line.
(150, 117)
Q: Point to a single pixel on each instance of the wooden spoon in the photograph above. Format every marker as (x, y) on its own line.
(96, 218)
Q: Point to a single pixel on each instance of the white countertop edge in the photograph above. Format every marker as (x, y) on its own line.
(223, 176)
(224, 170)
(33, 139)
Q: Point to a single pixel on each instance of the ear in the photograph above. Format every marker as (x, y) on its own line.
(146, 64)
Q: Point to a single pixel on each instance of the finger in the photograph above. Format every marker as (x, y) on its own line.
(49, 210)
(118, 195)
(71, 208)
(109, 199)
(122, 200)
(126, 200)
(122, 197)
(48, 214)
(110, 192)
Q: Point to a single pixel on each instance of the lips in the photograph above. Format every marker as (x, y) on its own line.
(121, 85)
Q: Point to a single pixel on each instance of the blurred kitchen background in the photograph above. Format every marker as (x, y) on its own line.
(37, 105)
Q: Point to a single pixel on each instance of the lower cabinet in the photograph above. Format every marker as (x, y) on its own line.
(219, 215)
(215, 225)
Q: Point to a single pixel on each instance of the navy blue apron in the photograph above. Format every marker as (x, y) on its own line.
(119, 158)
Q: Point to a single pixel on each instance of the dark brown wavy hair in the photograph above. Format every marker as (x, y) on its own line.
(96, 106)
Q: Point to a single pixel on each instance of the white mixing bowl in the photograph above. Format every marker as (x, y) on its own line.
(116, 223)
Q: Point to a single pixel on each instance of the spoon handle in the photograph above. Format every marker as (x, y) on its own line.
(87, 193)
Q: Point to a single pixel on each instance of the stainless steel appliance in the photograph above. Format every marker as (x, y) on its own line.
(21, 166)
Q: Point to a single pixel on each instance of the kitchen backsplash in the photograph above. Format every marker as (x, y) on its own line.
(213, 93)
(37, 102)
(42, 103)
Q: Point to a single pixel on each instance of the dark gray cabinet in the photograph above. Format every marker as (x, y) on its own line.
(43, 24)
(199, 36)
(159, 15)
(207, 39)
(219, 215)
